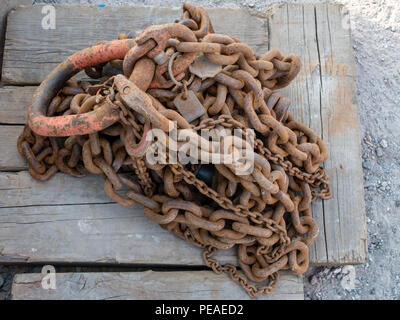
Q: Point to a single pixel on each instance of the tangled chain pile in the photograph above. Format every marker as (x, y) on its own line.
(185, 72)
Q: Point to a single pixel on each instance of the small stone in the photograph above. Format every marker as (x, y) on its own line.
(337, 270)
(349, 278)
(372, 291)
(397, 203)
(379, 152)
(313, 280)
(367, 164)
(383, 143)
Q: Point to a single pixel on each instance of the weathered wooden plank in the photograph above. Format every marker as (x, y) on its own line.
(5, 7)
(10, 159)
(345, 214)
(323, 97)
(91, 234)
(14, 102)
(31, 52)
(148, 285)
(19, 189)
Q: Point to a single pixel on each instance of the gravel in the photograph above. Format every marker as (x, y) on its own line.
(383, 143)
(367, 164)
(375, 26)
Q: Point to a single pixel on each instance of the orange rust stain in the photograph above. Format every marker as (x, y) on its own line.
(328, 67)
(309, 68)
(343, 110)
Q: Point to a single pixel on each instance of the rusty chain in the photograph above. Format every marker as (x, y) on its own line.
(185, 72)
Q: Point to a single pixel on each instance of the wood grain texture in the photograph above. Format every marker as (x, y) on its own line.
(70, 220)
(347, 237)
(323, 97)
(18, 189)
(5, 8)
(10, 159)
(91, 234)
(29, 57)
(148, 285)
(14, 102)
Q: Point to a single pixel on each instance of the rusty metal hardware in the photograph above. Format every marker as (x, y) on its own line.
(185, 72)
(204, 68)
(189, 107)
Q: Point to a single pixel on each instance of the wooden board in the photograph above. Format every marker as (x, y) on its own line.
(14, 102)
(18, 189)
(91, 234)
(322, 97)
(5, 8)
(70, 220)
(148, 285)
(28, 58)
(10, 159)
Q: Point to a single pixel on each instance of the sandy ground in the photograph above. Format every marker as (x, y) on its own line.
(375, 26)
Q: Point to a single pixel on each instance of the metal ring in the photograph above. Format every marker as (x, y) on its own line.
(171, 75)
